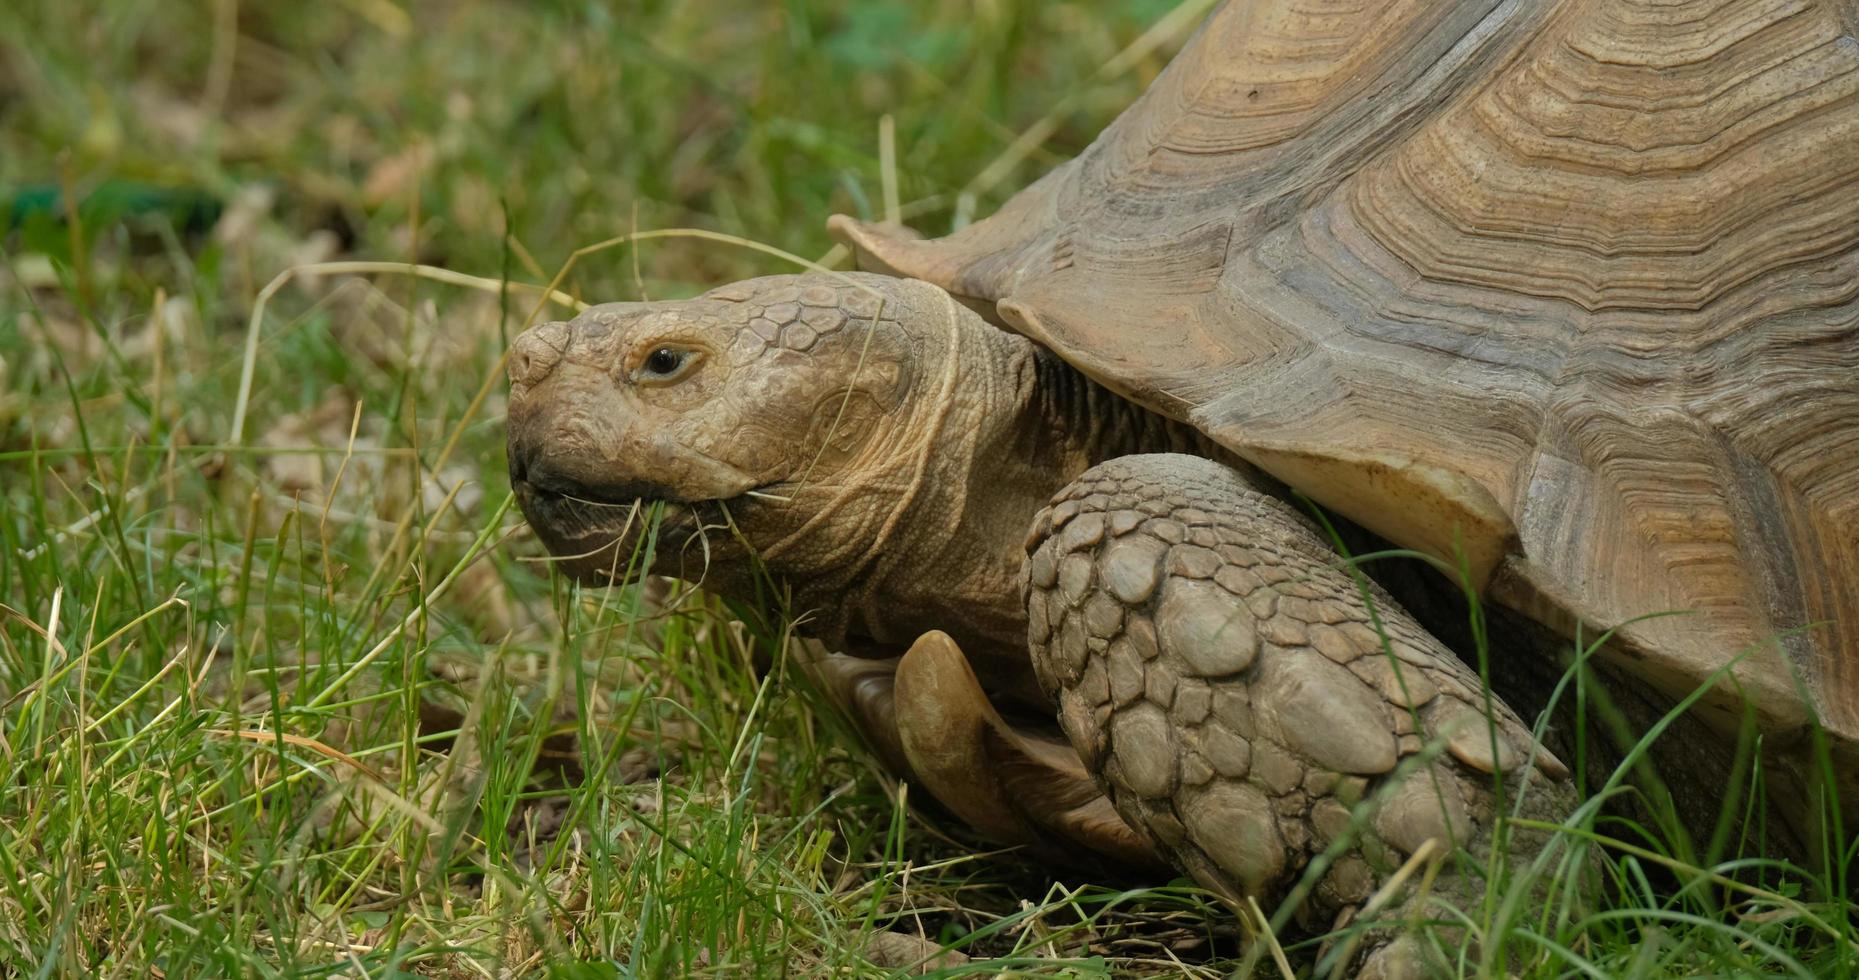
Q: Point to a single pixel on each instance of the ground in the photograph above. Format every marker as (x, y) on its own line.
(287, 688)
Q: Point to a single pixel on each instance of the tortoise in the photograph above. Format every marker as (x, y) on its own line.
(1564, 295)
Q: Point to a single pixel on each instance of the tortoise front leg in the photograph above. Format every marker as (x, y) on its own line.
(1216, 667)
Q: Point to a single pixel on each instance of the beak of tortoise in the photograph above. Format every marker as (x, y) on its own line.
(593, 527)
(584, 470)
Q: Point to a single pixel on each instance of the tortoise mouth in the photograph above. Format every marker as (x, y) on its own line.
(600, 534)
(557, 493)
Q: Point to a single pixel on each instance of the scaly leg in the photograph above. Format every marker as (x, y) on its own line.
(1216, 668)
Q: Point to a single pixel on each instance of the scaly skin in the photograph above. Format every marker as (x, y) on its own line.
(883, 451)
(1221, 675)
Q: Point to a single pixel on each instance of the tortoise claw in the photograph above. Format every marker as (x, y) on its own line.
(862, 689)
(928, 715)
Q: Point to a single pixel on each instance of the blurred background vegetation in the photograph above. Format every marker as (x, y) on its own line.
(417, 131)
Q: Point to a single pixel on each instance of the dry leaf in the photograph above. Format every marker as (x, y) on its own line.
(393, 177)
(247, 210)
(485, 603)
(900, 951)
(307, 473)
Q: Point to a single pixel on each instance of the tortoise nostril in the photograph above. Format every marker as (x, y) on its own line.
(535, 352)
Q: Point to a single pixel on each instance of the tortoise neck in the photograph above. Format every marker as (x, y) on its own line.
(1026, 424)
(1089, 423)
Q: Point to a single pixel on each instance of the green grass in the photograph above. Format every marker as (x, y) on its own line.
(298, 696)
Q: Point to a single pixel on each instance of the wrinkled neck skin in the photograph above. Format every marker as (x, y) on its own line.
(1008, 424)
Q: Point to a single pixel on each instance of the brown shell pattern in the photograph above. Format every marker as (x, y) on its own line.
(1572, 286)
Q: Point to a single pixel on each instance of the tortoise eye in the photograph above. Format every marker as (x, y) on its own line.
(665, 363)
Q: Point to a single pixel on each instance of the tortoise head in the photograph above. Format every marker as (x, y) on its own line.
(772, 416)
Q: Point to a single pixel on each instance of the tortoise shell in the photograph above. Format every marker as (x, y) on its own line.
(1566, 290)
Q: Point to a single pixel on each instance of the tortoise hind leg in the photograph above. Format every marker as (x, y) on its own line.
(930, 719)
(1217, 670)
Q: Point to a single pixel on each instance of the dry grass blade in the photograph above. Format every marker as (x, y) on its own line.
(1172, 26)
(323, 749)
(249, 362)
(1264, 934)
(1430, 853)
(492, 528)
(887, 168)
